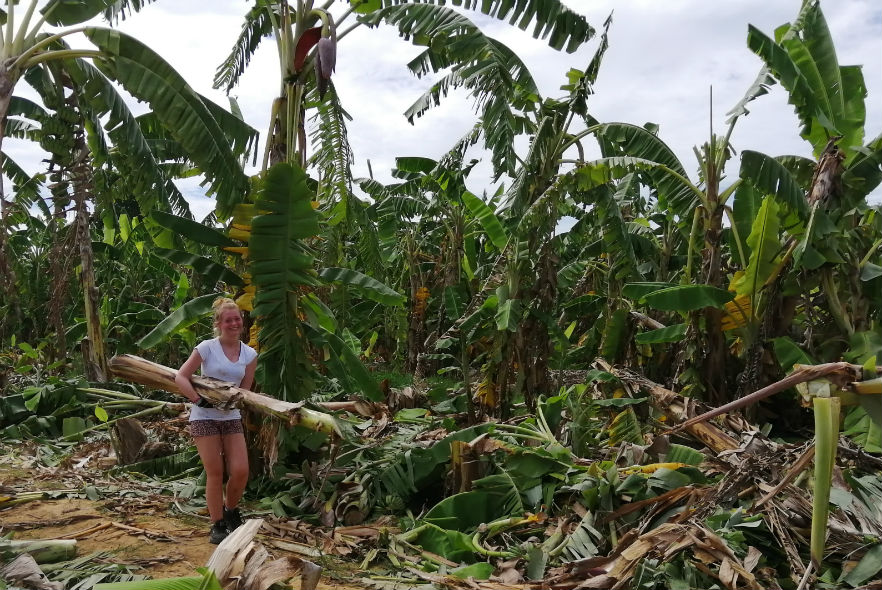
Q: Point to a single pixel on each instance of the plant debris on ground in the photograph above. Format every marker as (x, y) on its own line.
(581, 494)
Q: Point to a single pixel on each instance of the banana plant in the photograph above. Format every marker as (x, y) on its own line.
(769, 194)
(306, 38)
(524, 280)
(50, 66)
(27, 45)
(831, 245)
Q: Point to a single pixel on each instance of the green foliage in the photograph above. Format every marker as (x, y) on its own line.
(828, 98)
(764, 251)
(369, 287)
(685, 298)
(281, 265)
(184, 316)
(452, 545)
(207, 581)
(771, 178)
(487, 219)
(190, 120)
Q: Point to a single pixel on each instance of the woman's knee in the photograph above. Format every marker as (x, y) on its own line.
(214, 473)
(238, 472)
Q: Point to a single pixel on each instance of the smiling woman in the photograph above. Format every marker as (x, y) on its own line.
(218, 433)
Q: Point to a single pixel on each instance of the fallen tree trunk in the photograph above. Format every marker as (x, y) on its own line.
(131, 443)
(222, 393)
(676, 407)
(840, 373)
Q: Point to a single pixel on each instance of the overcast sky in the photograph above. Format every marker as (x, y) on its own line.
(662, 61)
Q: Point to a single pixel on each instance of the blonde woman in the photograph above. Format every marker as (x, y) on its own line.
(218, 434)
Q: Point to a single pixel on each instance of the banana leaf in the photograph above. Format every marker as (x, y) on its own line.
(192, 230)
(487, 219)
(209, 270)
(684, 298)
(367, 286)
(674, 333)
(186, 315)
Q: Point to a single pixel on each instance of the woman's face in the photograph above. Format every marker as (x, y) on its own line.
(230, 323)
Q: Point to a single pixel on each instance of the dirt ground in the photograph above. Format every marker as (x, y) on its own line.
(164, 546)
(141, 530)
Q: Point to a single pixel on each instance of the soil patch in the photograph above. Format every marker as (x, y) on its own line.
(127, 524)
(162, 545)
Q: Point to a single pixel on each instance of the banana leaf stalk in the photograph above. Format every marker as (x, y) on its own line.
(15, 499)
(42, 550)
(155, 408)
(871, 387)
(139, 370)
(826, 440)
(108, 394)
(492, 529)
(109, 399)
(139, 404)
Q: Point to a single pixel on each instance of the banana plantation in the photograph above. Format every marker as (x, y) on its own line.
(621, 372)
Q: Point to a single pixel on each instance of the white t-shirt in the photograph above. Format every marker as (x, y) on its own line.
(216, 364)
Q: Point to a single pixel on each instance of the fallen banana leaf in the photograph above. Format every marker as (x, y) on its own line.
(206, 582)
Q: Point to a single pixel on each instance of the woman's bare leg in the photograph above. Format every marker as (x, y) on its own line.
(211, 452)
(236, 454)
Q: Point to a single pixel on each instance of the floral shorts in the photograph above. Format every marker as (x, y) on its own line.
(215, 427)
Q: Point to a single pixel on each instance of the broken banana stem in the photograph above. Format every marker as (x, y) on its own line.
(139, 370)
(871, 387)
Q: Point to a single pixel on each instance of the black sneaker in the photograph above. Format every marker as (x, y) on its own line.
(232, 518)
(218, 533)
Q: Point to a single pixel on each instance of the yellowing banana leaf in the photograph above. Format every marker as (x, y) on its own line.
(625, 428)
(738, 311)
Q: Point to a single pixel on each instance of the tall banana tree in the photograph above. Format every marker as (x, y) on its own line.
(425, 243)
(527, 303)
(25, 45)
(769, 195)
(306, 37)
(831, 246)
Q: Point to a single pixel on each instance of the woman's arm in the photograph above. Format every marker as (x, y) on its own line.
(182, 378)
(248, 379)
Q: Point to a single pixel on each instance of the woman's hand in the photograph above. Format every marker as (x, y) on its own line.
(203, 403)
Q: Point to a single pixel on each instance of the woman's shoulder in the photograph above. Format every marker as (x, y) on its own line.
(204, 347)
(249, 353)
